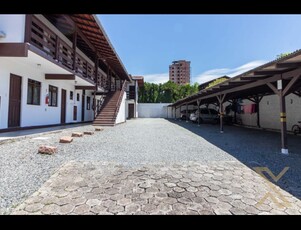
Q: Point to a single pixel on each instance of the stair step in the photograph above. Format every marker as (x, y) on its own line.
(107, 115)
(105, 119)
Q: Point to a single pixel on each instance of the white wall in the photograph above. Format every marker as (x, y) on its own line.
(4, 94)
(13, 25)
(135, 102)
(122, 110)
(153, 110)
(249, 119)
(126, 109)
(32, 115)
(270, 113)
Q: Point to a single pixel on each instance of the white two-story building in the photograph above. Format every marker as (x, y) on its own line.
(58, 69)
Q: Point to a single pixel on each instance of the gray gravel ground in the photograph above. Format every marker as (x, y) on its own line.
(141, 141)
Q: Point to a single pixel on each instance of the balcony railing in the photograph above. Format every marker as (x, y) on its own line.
(57, 49)
(130, 95)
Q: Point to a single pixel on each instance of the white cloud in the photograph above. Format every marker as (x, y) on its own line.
(207, 75)
(215, 73)
(156, 78)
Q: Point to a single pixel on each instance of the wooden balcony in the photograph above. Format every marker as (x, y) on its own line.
(131, 95)
(56, 49)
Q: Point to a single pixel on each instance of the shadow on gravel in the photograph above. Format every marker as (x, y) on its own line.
(255, 148)
(37, 131)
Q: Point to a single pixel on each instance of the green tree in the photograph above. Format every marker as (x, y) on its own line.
(216, 82)
(282, 55)
(167, 92)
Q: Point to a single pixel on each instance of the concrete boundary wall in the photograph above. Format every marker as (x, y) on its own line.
(154, 110)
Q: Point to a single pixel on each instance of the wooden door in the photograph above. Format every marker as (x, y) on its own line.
(131, 111)
(83, 107)
(14, 109)
(74, 113)
(63, 106)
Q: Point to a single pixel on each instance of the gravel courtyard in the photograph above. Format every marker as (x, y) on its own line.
(142, 155)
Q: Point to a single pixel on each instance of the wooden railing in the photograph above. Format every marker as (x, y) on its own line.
(122, 90)
(50, 43)
(131, 95)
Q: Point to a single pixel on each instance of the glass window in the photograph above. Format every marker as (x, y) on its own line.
(53, 94)
(33, 92)
(77, 96)
(212, 111)
(71, 95)
(204, 111)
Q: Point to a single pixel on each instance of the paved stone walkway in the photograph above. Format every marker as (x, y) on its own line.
(224, 187)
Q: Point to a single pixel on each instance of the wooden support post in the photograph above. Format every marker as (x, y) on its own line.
(284, 148)
(74, 49)
(109, 79)
(87, 69)
(57, 47)
(281, 94)
(257, 101)
(96, 85)
(257, 110)
(28, 25)
(221, 110)
(235, 101)
(166, 112)
(221, 99)
(186, 112)
(174, 113)
(199, 104)
(180, 112)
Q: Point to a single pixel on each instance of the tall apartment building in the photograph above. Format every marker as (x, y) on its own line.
(179, 72)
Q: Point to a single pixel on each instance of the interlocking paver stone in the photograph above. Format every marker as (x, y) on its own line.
(50, 209)
(183, 185)
(96, 188)
(124, 201)
(178, 189)
(116, 209)
(170, 185)
(93, 202)
(98, 209)
(65, 209)
(81, 209)
(191, 189)
(34, 207)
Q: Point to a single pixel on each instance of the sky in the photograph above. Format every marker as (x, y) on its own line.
(216, 45)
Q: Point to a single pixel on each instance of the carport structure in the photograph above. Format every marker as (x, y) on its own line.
(281, 77)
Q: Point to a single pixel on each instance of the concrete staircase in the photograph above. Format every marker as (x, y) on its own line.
(109, 110)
